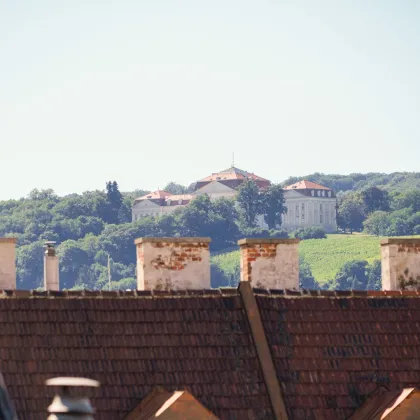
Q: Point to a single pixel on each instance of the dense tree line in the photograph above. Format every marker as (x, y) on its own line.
(394, 182)
(378, 212)
(94, 226)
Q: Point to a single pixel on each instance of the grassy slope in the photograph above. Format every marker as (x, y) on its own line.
(228, 262)
(325, 256)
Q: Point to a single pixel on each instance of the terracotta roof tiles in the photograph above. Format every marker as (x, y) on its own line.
(155, 195)
(177, 197)
(230, 174)
(306, 185)
(131, 342)
(332, 351)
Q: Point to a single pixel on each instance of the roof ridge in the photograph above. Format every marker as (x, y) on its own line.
(217, 292)
(302, 293)
(114, 294)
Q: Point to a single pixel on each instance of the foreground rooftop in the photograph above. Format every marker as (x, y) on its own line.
(329, 351)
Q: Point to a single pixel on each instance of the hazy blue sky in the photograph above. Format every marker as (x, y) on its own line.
(146, 92)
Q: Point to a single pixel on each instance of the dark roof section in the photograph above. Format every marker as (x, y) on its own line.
(332, 350)
(131, 342)
(7, 410)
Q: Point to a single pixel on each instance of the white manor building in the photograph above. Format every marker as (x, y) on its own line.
(308, 204)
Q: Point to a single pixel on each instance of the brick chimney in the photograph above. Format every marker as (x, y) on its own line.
(68, 406)
(51, 270)
(400, 263)
(270, 263)
(173, 263)
(8, 263)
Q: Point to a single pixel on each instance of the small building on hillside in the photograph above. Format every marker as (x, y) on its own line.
(158, 203)
(308, 204)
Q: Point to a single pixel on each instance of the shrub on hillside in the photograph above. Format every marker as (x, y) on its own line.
(358, 275)
(352, 276)
(310, 233)
(306, 279)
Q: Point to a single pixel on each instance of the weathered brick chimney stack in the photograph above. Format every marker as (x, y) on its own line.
(173, 263)
(270, 263)
(400, 263)
(8, 263)
(51, 270)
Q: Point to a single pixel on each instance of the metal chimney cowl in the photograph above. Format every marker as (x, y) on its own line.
(70, 407)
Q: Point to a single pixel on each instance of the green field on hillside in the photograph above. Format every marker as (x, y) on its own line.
(327, 256)
(324, 256)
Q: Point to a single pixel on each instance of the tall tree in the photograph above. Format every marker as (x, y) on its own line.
(273, 205)
(124, 213)
(374, 275)
(223, 217)
(115, 200)
(375, 199)
(405, 199)
(194, 219)
(351, 214)
(249, 200)
(175, 188)
(353, 275)
(377, 223)
(306, 279)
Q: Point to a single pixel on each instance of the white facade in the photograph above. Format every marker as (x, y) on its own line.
(216, 190)
(147, 208)
(309, 211)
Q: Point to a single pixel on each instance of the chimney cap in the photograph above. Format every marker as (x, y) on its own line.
(175, 239)
(257, 241)
(8, 240)
(49, 243)
(70, 381)
(400, 241)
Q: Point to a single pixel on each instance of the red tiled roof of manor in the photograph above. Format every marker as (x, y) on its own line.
(182, 197)
(306, 185)
(230, 174)
(155, 195)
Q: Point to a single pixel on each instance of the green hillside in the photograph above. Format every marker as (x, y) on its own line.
(324, 256)
(327, 256)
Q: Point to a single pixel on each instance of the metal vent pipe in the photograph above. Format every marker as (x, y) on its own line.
(66, 405)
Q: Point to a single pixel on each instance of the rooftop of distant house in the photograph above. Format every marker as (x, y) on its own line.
(231, 174)
(306, 185)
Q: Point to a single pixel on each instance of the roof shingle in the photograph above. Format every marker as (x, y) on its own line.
(332, 352)
(131, 343)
